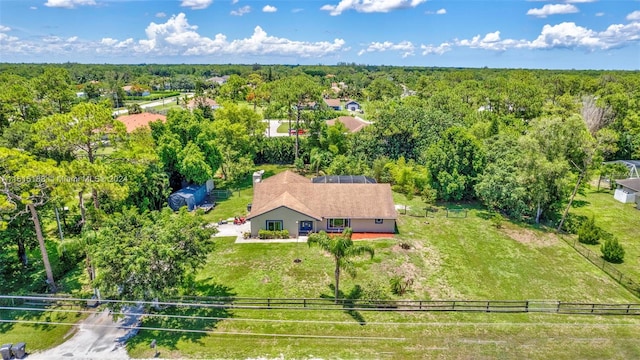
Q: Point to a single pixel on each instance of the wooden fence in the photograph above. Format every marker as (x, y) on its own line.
(486, 306)
(601, 263)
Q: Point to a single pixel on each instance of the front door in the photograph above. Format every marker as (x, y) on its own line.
(305, 227)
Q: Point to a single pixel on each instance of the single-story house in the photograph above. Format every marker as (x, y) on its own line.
(628, 190)
(134, 121)
(333, 104)
(131, 91)
(220, 80)
(194, 103)
(295, 203)
(352, 124)
(352, 105)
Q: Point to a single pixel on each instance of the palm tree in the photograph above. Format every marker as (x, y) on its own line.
(342, 248)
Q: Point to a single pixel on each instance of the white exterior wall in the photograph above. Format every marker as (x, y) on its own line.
(624, 195)
(289, 219)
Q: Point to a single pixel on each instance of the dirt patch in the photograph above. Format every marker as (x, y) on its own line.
(370, 236)
(532, 237)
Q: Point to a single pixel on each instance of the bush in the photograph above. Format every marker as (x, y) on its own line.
(273, 234)
(399, 285)
(497, 219)
(612, 251)
(589, 233)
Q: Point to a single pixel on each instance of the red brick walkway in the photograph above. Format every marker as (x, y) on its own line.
(366, 236)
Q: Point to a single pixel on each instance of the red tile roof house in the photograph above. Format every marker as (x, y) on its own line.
(353, 124)
(292, 202)
(132, 122)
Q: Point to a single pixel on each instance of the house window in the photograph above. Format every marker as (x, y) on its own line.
(338, 223)
(379, 221)
(274, 225)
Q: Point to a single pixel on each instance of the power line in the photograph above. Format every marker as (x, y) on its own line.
(212, 332)
(327, 322)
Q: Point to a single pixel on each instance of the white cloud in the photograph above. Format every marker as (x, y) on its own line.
(177, 37)
(297, 10)
(241, 11)
(370, 6)
(68, 4)
(553, 9)
(438, 50)
(599, 14)
(4, 28)
(161, 15)
(269, 9)
(72, 39)
(438, 12)
(196, 4)
(579, 1)
(233, 2)
(634, 16)
(405, 47)
(565, 35)
(33, 7)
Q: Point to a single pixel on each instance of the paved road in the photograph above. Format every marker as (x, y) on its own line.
(98, 338)
(153, 103)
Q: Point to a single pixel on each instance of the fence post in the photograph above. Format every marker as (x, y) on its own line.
(420, 305)
(488, 305)
(628, 307)
(526, 306)
(269, 303)
(304, 302)
(558, 309)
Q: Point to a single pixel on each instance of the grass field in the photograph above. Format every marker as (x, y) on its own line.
(457, 257)
(449, 258)
(621, 220)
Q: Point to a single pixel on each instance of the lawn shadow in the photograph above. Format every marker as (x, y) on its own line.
(191, 323)
(348, 301)
(579, 203)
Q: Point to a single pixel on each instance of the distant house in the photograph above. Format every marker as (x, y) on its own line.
(131, 91)
(333, 103)
(195, 102)
(220, 80)
(292, 202)
(135, 121)
(352, 105)
(628, 190)
(352, 124)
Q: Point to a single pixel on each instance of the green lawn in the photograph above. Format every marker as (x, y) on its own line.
(449, 258)
(621, 220)
(283, 128)
(37, 336)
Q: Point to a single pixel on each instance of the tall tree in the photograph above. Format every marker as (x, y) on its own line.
(342, 249)
(150, 255)
(27, 184)
(82, 132)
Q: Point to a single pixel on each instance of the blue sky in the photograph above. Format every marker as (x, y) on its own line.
(562, 34)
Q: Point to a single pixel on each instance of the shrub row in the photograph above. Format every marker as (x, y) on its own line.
(273, 234)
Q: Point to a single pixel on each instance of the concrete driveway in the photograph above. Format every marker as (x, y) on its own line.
(272, 129)
(98, 337)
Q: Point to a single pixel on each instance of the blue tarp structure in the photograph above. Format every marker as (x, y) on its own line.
(190, 196)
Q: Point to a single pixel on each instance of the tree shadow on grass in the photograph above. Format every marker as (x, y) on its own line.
(348, 301)
(189, 323)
